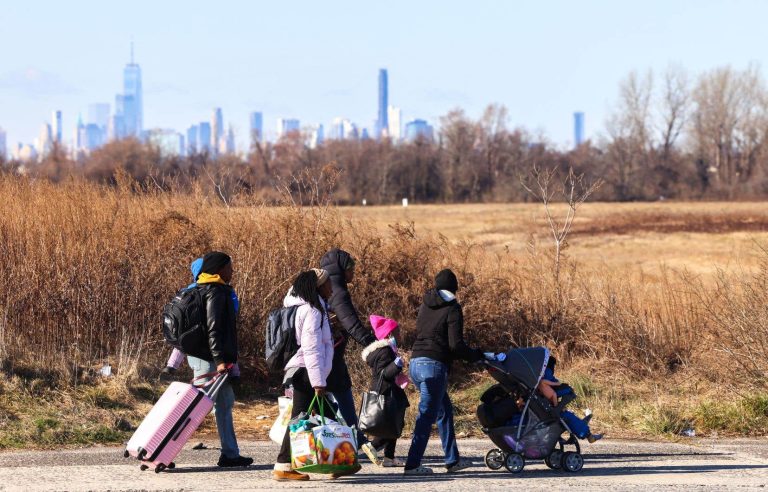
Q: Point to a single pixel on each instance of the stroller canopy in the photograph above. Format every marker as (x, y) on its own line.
(525, 364)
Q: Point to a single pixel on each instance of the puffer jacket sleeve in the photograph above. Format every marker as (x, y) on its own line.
(313, 348)
(459, 348)
(216, 326)
(341, 303)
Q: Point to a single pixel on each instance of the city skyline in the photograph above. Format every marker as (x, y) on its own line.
(542, 62)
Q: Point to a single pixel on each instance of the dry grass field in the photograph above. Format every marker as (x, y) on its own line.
(698, 237)
(657, 316)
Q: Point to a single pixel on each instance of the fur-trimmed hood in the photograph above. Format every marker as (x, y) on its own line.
(373, 347)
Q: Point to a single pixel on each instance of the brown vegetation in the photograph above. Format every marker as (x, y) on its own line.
(88, 267)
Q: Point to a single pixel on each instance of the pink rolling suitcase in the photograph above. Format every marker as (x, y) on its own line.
(171, 422)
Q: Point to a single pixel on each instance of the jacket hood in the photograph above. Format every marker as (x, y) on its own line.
(434, 300)
(333, 262)
(196, 267)
(374, 347)
(291, 300)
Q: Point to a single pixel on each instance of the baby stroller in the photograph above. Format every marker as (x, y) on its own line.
(520, 421)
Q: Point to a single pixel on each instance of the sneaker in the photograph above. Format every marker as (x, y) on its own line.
(458, 466)
(290, 475)
(419, 470)
(225, 462)
(371, 453)
(392, 463)
(592, 438)
(354, 470)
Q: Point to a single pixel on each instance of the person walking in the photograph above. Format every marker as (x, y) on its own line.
(307, 371)
(439, 341)
(386, 378)
(341, 269)
(215, 275)
(177, 356)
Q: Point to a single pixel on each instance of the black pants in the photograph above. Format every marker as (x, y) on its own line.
(388, 445)
(302, 397)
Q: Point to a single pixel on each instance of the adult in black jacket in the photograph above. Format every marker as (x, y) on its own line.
(341, 267)
(220, 349)
(439, 341)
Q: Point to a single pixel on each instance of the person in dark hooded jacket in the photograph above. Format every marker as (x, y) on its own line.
(439, 341)
(341, 267)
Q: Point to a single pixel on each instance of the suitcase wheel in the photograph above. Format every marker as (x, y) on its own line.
(171, 465)
(143, 467)
(126, 454)
(159, 468)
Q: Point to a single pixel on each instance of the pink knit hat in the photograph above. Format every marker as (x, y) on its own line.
(382, 326)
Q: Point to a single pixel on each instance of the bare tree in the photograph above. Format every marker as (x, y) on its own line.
(729, 127)
(629, 128)
(574, 190)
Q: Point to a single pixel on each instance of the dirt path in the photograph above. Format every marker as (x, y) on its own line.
(610, 465)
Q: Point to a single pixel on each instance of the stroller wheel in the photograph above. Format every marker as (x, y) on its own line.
(514, 463)
(554, 460)
(572, 462)
(494, 459)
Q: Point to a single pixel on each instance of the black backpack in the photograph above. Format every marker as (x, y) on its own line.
(281, 337)
(184, 321)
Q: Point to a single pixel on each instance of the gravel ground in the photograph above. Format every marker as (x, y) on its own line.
(610, 465)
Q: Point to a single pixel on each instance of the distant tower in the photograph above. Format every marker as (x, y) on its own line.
(286, 126)
(133, 107)
(382, 122)
(578, 128)
(204, 137)
(257, 127)
(193, 136)
(56, 117)
(395, 115)
(217, 128)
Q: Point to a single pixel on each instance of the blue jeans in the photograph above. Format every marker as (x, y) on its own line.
(225, 400)
(347, 409)
(577, 425)
(431, 377)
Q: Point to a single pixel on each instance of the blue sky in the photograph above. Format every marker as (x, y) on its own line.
(318, 60)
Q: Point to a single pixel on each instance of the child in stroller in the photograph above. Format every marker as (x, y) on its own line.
(523, 422)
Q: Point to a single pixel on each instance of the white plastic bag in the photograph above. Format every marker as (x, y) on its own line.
(285, 406)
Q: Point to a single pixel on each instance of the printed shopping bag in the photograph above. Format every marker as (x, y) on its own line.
(326, 448)
(285, 406)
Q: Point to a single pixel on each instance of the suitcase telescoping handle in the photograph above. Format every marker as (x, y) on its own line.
(212, 387)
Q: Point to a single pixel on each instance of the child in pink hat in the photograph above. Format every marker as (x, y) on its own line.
(387, 370)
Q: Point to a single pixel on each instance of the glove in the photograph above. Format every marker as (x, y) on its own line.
(501, 357)
(399, 361)
(489, 356)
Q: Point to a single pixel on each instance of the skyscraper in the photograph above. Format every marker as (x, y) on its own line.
(98, 114)
(80, 136)
(395, 115)
(217, 128)
(45, 140)
(382, 122)
(578, 128)
(133, 108)
(204, 137)
(257, 127)
(418, 129)
(193, 137)
(56, 120)
(286, 126)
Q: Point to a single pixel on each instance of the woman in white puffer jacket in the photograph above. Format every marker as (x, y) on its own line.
(308, 369)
